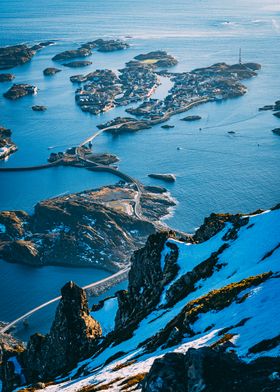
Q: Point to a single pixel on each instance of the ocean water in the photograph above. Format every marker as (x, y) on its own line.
(215, 171)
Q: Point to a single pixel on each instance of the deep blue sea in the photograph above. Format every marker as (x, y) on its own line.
(215, 171)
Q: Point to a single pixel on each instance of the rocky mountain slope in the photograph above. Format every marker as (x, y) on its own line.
(201, 316)
(96, 228)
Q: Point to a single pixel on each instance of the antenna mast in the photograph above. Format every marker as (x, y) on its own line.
(240, 60)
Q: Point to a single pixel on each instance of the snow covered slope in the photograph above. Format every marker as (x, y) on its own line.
(225, 291)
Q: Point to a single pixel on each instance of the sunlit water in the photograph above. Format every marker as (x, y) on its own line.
(215, 171)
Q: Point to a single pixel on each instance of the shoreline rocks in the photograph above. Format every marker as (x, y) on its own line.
(20, 90)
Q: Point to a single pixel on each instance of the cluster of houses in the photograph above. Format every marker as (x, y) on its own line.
(103, 89)
(211, 84)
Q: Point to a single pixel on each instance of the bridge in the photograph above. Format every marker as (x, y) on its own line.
(118, 275)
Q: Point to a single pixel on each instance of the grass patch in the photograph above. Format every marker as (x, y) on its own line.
(123, 365)
(132, 381)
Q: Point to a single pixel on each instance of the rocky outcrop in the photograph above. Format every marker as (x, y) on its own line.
(146, 281)
(71, 54)
(6, 77)
(42, 45)
(208, 370)
(39, 108)
(73, 336)
(20, 90)
(11, 56)
(191, 118)
(160, 58)
(216, 222)
(103, 45)
(77, 64)
(169, 177)
(124, 124)
(96, 228)
(10, 370)
(51, 71)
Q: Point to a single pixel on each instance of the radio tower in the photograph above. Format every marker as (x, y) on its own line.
(240, 60)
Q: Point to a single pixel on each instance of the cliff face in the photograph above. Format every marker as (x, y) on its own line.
(146, 280)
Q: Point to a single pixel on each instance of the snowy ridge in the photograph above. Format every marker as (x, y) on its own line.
(250, 318)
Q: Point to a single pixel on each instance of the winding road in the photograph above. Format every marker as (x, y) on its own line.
(96, 167)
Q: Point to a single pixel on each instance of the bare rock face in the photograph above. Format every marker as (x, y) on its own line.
(216, 222)
(73, 336)
(146, 280)
(208, 370)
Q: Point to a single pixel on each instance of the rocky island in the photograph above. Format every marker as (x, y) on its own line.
(71, 54)
(39, 108)
(159, 58)
(104, 89)
(191, 118)
(51, 71)
(11, 56)
(7, 146)
(20, 90)
(103, 45)
(98, 228)
(124, 124)
(77, 64)
(168, 177)
(217, 82)
(6, 77)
